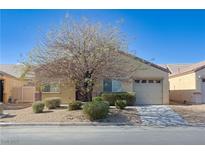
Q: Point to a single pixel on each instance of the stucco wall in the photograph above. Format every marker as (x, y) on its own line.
(183, 82)
(9, 84)
(187, 88)
(67, 93)
(143, 71)
(183, 96)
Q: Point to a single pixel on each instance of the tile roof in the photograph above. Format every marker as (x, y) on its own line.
(177, 69)
(15, 70)
(160, 67)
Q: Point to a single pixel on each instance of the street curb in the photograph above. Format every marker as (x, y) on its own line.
(67, 124)
(91, 124)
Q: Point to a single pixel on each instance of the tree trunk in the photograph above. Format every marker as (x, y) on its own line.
(85, 88)
(84, 93)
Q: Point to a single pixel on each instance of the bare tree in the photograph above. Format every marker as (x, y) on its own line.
(82, 52)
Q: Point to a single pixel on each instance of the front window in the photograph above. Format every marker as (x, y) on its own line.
(51, 87)
(112, 86)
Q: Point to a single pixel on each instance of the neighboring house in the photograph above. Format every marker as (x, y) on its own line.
(12, 84)
(187, 82)
(150, 85)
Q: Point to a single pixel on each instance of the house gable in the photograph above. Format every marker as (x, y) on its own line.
(146, 62)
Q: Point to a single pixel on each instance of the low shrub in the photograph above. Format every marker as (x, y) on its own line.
(98, 98)
(96, 110)
(121, 104)
(52, 102)
(75, 105)
(38, 107)
(114, 96)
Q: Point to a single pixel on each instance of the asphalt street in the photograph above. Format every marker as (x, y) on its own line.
(101, 135)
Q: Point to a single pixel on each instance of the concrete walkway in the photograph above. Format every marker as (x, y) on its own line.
(160, 115)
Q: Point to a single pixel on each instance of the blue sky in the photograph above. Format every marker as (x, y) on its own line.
(162, 36)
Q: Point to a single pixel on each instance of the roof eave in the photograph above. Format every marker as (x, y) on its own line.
(199, 68)
(6, 74)
(147, 62)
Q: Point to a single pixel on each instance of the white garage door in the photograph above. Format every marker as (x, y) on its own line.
(148, 92)
(203, 90)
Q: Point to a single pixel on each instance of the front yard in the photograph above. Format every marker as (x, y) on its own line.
(63, 115)
(193, 114)
(159, 115)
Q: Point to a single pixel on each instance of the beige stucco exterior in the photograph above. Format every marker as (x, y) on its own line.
(144, 71)
(187, 87)
(9, 84)
(67, 93)
(183, 82)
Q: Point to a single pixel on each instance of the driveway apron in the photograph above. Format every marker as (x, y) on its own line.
(160, 115)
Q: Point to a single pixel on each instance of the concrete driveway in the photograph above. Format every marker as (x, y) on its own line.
(160, 115)
(101, 135)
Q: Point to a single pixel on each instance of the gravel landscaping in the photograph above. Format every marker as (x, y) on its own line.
(26, 115)
(149, 115)
(128, 115)
(194, 114)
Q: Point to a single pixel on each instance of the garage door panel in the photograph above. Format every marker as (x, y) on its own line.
(203, 90)
(148, 93)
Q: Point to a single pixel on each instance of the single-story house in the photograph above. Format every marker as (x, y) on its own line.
(12, 85)
(149, 84)
(187, 82)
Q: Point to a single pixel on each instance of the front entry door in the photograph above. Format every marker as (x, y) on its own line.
(1, 90)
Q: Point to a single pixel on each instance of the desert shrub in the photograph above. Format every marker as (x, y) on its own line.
(114, 96)
(75, 105)
(52, 102)
(96, 110)
(38, 107)
(98, 98)
(120, 104)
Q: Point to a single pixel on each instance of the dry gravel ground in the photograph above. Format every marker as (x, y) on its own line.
(16, 106)
(194, 114)
(128, 115)
(26, 115)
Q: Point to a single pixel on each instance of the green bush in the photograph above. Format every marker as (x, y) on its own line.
(114, 96)
(52, 102)
(121, 104)
(98, 98)
(75, 105)
(38, 107)
(96, 110)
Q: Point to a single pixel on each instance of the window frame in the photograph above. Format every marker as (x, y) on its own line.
(150, 81)
(157, 81)
(137, 81)
(112, 81)
(144, 81)
(147, 81)
(48, 92)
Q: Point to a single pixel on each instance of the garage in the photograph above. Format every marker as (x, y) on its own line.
(203, 90)
(148, 92)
